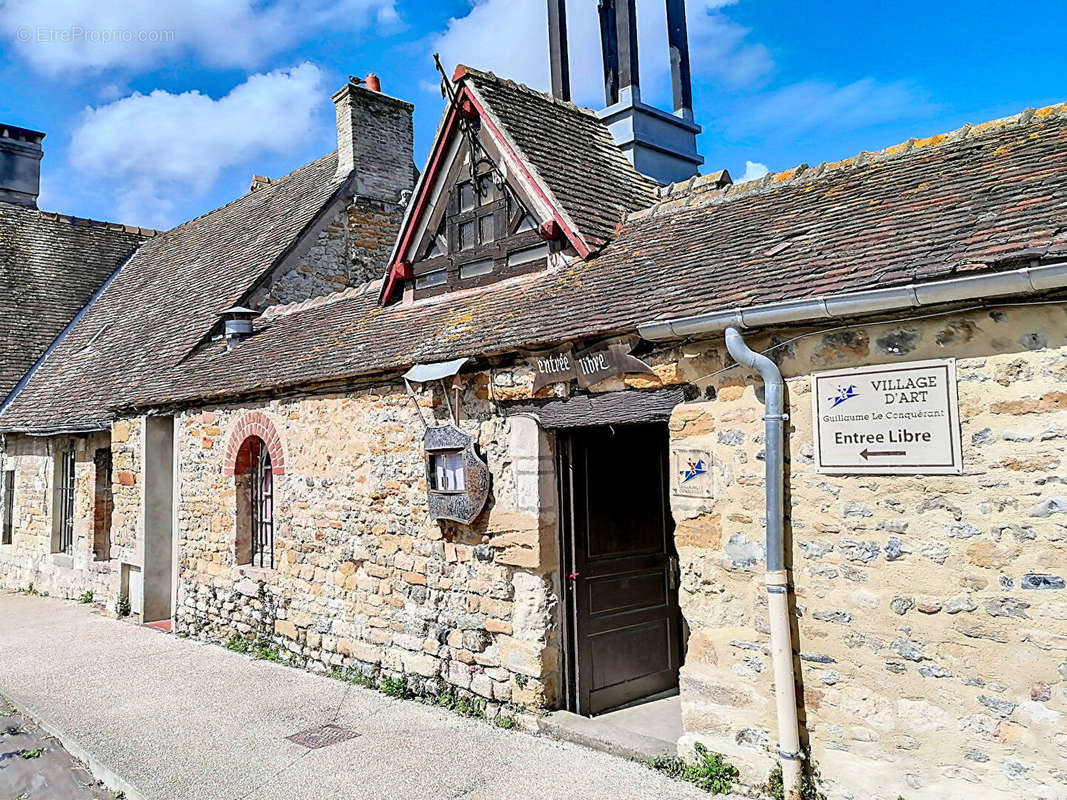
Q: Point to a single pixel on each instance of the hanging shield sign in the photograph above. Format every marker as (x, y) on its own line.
(589, 366)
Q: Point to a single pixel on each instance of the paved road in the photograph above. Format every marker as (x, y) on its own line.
(180, 720)
(34, 766)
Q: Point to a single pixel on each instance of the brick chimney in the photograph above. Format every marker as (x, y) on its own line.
(374, 139)
(20, 165)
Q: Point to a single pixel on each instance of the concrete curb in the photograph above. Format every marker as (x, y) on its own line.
(100, 771)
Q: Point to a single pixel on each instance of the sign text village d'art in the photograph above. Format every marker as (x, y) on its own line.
(589, 366)
(888, 419)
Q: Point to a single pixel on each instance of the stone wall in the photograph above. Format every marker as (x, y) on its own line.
(29, 560)
(932, 611)
(363, 579)
(353, 248)
(127, 521)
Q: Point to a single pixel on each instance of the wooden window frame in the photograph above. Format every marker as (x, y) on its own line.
(103, 503)
(262, 509)
(254, 477)
(508, 214)
(7, 488)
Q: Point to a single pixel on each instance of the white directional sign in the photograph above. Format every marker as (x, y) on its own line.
(901, 419)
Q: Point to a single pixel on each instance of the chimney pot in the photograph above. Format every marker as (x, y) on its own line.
(373, 83)
(20, 165)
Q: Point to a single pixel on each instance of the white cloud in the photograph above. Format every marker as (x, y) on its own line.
(816, 105)
(71, 36)
(155, 147)
(754, 170)
(511, 39)
(723, 54)
(720, 48)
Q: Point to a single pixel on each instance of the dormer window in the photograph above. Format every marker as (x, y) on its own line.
(485, 234)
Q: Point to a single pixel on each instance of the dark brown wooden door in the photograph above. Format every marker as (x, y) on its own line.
(624, 638)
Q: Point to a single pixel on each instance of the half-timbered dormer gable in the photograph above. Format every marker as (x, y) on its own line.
(516, 182)
(481, 227)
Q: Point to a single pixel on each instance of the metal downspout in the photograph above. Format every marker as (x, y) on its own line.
(776, 578)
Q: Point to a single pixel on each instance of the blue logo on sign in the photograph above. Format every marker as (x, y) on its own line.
(695, 468)
(843, 393)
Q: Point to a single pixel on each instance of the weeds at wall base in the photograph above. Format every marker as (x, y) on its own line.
(710, 771)
(810, 781)
(399, 688)
(263, 650)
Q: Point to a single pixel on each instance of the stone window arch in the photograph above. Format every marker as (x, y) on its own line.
(254, 457)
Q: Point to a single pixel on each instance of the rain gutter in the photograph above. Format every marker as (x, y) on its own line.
(1028, 280)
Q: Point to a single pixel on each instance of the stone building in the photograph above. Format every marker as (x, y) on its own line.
(89, 496)
(520, 461)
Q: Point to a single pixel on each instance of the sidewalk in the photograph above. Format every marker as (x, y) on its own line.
(180, 720)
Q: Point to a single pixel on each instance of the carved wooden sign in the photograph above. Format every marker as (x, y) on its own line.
(589, 366)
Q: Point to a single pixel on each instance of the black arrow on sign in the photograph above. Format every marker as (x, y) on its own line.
(868, 453)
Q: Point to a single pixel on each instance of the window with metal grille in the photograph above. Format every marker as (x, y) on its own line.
(7, 493)
(65, 502)
(255, 504)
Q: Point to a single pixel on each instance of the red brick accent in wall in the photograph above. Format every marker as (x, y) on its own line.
(255, 423)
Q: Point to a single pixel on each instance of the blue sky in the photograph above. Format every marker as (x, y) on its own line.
(157, 112)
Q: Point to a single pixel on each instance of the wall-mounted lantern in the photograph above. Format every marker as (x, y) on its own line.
(457, 477)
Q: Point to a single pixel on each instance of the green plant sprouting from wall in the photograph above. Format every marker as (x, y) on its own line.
(810, 784)
(396, 687)
(709, 771)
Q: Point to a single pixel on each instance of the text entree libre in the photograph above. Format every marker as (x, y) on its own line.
(898, 436)
(561, 363)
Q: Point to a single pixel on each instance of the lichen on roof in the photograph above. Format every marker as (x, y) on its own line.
(710, 189)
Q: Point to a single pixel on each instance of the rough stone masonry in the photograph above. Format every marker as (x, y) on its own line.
(931, 611)
(363, 579)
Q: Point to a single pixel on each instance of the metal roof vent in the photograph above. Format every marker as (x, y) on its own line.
(237, 325)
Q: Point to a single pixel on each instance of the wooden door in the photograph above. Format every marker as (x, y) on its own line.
(625, 625)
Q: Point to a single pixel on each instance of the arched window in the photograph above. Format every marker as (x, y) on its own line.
(255, 504)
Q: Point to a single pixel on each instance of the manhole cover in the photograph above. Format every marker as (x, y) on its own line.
(322, 736)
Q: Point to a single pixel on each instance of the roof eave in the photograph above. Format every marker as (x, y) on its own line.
(1026, 281)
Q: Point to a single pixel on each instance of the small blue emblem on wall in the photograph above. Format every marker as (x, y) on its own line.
(843, 393)
(694, 469)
